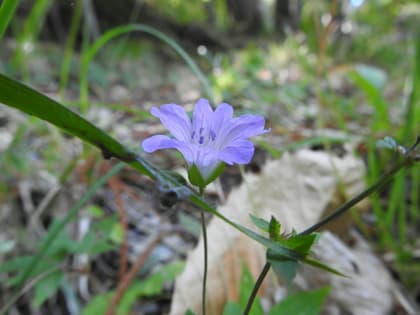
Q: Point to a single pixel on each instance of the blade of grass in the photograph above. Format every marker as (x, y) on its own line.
(7, 11)
(68, 52)
(90, 53)
(30, 32)
(20, 96)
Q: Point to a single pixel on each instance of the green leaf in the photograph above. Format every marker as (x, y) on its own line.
(260, 223)
(285, 268)
(303, 303)
(14, 264)
(320, 265)
(375, 76)
(189, 312)
(232, 308)
(153, 285)
(195, 178)
(98, 305)
(47, 287)
(299, 243)
(7, 11)
(274, 229)
(117, 233)
(216, 173)
(22, 97)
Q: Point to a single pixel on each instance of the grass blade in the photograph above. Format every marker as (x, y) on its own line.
(7, 11)
(124, 29)
(24, 98)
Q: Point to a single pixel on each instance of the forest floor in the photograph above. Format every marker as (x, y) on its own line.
(45, 172)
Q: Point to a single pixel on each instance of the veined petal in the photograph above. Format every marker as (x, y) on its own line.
(175, 119)
(159, 142)
(239, 151)
(242, 127)
(206, 160)
(221, 117)
(201, 115)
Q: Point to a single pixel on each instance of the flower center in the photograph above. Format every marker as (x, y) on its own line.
(204, 136)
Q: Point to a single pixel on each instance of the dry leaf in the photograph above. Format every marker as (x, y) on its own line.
(295, 189)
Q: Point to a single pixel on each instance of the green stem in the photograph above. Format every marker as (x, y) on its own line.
(203, 226)
(257, 286)
(382, 181)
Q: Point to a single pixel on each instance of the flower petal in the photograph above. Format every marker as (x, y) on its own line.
(201, 115)
(239, 151)
(175, 119)
(221, 117)
(242, 127)
(159, 142)
(206, 160)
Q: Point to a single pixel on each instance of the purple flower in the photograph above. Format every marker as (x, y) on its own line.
(210, 138)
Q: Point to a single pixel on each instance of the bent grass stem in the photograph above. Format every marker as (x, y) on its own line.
(407, 161)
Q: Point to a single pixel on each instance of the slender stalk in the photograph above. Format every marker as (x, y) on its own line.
(257, 286)
(382, 181)
(203, 226)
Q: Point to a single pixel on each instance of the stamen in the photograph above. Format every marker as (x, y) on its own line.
(201, 140)
(212, 135)
(193, 135)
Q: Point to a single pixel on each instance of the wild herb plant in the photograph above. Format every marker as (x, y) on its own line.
(207, 142)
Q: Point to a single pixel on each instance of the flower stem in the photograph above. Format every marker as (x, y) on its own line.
(257, 286)
(204, 228)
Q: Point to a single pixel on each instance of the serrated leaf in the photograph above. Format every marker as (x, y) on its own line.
(300, 243)
(274, 229)
(303, 303)
(260, 223)
(47, 287)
